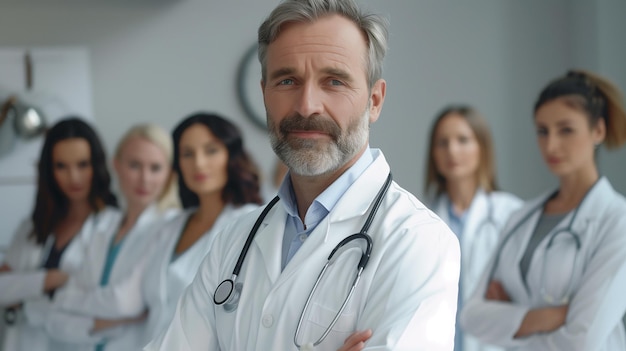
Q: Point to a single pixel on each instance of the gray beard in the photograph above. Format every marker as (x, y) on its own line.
(313, 157)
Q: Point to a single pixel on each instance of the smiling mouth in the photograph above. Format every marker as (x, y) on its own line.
(200, 177)
(308, 134)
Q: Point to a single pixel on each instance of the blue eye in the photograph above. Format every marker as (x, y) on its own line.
(336, 82)
(286, 82)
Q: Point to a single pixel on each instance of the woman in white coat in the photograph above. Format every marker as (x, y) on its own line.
(217, 182)
(558, 279)
(143, 166)
(461, 173)
(72, 206)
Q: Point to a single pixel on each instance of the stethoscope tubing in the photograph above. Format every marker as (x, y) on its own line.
(569, 229)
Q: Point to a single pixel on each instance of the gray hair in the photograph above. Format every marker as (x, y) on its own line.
(374, 26)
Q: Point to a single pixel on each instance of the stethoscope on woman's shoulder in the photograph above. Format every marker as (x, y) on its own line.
(567, 231)
(228, 291)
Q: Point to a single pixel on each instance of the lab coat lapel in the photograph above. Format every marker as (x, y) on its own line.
(99, 255)
(477, 214)
(473, 241)
(346, 218)
(517, 234)
(269, 240)
(593, 205)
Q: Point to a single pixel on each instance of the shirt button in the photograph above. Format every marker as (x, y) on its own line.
(268, 320)
(302, 237)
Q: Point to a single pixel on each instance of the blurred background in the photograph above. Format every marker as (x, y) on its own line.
(121, 62)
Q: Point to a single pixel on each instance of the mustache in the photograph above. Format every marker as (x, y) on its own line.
(316, 123)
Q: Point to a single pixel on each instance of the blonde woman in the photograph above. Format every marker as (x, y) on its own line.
(143, 166)
(461, 173)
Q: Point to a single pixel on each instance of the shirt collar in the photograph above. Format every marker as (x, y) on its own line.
(329, 197)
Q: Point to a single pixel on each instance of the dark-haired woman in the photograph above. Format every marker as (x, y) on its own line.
(558, 279)
(217, 183)
(73, 204)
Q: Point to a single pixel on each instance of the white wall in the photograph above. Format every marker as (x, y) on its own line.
(159, 61)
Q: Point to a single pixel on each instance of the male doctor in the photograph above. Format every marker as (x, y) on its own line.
(321, 80)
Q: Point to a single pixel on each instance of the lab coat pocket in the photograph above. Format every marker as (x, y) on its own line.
(320, 318)
(326, 301)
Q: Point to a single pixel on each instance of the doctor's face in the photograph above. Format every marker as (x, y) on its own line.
(73, 173)
(203, 161)
(316, 94)
(143, 169)
(566, 139)
(456, 150)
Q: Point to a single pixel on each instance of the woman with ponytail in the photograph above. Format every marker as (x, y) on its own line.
(558, 278)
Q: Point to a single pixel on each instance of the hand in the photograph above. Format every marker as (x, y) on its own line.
(542, 320)
(54, 279)
(496, 292)
(356, 341)
(140, 318)
(5, 268)
(101, 324)
(553, 317)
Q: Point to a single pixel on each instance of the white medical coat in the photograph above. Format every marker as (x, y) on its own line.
(165, 280)
(407, 294)
(156, 282)
(84, 299)
(594, 318)
(486, 217)
(25, 255)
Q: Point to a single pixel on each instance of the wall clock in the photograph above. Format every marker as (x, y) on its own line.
(249, 87)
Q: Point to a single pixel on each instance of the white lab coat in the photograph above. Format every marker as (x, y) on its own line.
(156, 282)
(24, 255)
(486, 217)
(407, 293)
(84, 299)
(165, 281)
(594, 319)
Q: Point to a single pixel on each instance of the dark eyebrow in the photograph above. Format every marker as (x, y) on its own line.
(281, 73)
(563, 123)
(341, 74)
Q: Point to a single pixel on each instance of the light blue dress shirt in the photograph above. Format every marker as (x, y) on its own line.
(296, 232)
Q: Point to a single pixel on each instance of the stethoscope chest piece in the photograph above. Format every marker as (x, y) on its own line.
(228, 294)
(223, 292)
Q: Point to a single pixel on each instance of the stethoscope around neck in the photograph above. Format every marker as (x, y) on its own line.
(228, 291)
(567, 231)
